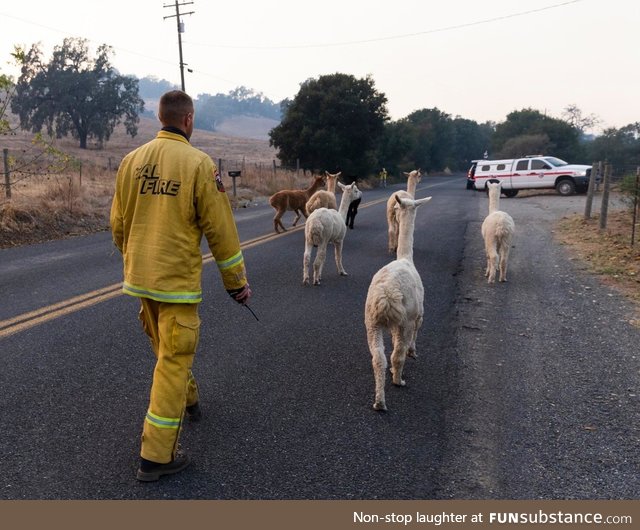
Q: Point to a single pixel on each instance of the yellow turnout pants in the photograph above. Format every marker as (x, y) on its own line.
(174, 332)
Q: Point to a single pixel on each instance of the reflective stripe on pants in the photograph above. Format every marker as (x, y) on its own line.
(174, 332)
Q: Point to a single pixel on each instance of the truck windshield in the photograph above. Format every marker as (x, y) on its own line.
(555, 161)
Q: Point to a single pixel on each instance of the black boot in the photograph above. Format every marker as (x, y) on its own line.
(151, 471)
(194, 412)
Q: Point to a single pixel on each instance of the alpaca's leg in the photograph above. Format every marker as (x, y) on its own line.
(414, 337)
(400, 340)
(353, 210)
(297, 212)
(338, 249)
(379, 364)
(504, 260)
(318, 263)
(277, 222)
(492, 263)
(306, 262)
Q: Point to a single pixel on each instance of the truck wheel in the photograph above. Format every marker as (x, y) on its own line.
(510, 193)
(566, 187)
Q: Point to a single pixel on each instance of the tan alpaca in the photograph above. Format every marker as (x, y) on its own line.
(325, 198)
(413, 178)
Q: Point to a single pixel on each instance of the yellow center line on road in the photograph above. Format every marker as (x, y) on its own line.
(28, 320)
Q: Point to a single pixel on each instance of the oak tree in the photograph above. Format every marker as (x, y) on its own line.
(75, 94)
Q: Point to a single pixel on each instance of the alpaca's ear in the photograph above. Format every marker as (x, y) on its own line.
(422, 201)
(338, 173)
(407, 174)
(342, 186)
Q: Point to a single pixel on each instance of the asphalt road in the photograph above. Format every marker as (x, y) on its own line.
(522, 390)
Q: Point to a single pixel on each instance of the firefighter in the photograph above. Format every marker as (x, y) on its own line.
(168, 195)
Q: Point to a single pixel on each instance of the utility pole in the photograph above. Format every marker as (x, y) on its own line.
(180, 32)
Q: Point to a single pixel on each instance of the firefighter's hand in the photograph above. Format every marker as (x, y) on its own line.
(241, 295)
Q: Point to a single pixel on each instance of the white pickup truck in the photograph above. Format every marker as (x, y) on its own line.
(530, 172)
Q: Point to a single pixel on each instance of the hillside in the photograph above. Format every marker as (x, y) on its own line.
(248, 127)
(48, 204)
(217, 145)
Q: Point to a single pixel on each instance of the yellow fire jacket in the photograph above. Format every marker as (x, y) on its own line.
(168, 195)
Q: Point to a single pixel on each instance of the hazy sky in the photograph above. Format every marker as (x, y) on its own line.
(475, 59)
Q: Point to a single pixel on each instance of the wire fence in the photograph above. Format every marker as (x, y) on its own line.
(626, 180)
(26, 170)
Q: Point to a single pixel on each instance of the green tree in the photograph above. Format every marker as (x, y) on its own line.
(397, 144)
(620, 147)
(434, 134)
(470, 141)
(429, 139)
(335, 123)
(564, 138)
(74, 94)
(6, 91)
(573, 115)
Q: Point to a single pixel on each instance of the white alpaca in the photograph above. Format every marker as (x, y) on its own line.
(413, 179)
(326, 226)
(325, 198)
(395, 302)
(497, 231)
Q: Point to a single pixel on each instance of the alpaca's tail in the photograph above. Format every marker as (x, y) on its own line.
(384, 305)
(314, 233)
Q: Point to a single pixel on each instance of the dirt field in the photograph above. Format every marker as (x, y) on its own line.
(47, 203)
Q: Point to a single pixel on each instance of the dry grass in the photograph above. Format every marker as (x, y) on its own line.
(48, 205)
(607, 253)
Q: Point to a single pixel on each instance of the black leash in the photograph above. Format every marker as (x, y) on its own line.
(254, 315)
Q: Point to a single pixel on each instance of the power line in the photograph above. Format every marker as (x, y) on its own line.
(390, 37)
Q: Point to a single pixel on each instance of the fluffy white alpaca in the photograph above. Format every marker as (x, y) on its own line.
(326, 226)
(413, 179)
(325, 198)
(395, 302)
(497, 232)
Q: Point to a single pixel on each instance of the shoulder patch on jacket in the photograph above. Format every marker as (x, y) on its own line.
(218, 179)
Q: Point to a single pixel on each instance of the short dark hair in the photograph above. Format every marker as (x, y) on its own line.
(173, 106)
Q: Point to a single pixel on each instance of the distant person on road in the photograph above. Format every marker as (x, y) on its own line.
(168, 195)
(383, 178)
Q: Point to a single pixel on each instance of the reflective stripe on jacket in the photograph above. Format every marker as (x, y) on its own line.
(168, 195)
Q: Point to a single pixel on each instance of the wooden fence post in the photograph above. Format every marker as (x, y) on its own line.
(590, 191)
(605, 196)
(7, 180)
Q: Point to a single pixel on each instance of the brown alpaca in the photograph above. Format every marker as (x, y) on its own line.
(294, 200)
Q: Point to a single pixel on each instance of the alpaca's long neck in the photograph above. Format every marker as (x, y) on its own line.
(313, 188)
(412, 184)
(331, 185)
(494, 200)
(344, 205)
(405, 237)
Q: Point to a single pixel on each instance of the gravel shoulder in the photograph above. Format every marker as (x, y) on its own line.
(547, 373)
